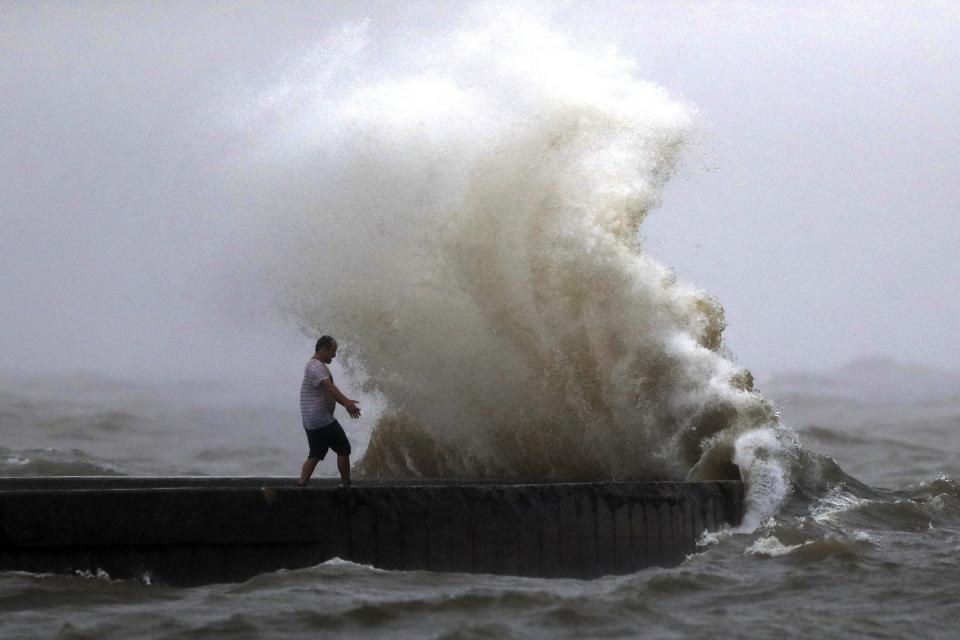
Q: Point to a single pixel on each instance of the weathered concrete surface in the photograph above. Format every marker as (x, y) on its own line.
(196, 530)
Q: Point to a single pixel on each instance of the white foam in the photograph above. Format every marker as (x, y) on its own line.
(771, 547)
(711, 538)
(98, 573)
(863, 536)
(765, 464)
(835, 502)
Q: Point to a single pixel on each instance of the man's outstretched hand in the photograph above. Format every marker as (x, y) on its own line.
(353, 409)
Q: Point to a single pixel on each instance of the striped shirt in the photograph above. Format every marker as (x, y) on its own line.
(316, 403)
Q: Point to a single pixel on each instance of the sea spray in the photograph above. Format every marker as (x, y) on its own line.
(463, 215)
(764, 463)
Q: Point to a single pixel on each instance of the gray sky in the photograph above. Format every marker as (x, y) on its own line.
(822, 212)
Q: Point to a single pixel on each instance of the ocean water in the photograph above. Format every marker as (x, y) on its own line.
(871, 554)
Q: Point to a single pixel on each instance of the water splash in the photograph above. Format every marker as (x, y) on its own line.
(463, 214)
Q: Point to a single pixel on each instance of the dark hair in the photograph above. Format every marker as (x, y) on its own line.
(323, 342)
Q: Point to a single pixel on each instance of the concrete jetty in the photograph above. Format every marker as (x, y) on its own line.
(188, 531)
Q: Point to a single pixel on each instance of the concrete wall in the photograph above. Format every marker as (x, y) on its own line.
(190, 531)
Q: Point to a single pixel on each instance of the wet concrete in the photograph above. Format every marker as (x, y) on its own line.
(189, 531)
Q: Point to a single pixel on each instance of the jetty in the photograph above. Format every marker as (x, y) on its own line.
(194, 530)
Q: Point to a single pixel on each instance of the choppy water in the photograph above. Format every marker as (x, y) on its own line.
(848, 559)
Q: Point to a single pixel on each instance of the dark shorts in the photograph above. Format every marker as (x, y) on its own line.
(328, 437)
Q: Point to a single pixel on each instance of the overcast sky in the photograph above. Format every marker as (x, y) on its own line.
(822, 210)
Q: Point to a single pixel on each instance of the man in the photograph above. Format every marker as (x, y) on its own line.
(318, 398)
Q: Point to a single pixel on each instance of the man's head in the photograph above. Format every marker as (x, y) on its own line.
(326, 349)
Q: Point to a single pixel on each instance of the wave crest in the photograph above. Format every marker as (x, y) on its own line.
(466, 224)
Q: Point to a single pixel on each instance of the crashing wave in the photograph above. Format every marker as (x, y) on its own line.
(465, 220)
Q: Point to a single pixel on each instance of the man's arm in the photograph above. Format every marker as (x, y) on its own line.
(348, 404)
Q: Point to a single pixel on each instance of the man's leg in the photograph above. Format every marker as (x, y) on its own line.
(307, 469)
(343, 466)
